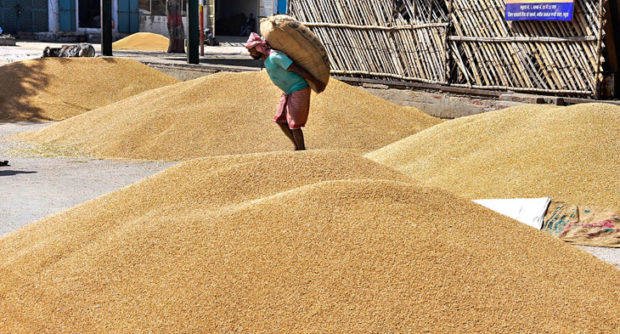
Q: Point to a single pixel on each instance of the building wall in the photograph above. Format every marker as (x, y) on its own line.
(209, 12)
(54, 17)
(268, 7)
(227, 8)
(23, 15)
(157, 24)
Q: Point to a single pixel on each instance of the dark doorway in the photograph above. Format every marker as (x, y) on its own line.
(89, 13)
(231, 15)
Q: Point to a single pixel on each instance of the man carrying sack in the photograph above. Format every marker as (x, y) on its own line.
(292, 112)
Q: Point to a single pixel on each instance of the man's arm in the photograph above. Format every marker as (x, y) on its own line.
(320, 86)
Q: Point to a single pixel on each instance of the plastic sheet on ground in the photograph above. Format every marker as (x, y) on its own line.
(529, 211)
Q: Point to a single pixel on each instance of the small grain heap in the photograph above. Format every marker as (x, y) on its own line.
(295, 242)
(142, 41)
(570, 154)
(230, 113)
(59, 88)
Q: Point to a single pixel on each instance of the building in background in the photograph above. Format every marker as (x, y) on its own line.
(66, 17)
(50, 19)
(225, 17)
(230, 15)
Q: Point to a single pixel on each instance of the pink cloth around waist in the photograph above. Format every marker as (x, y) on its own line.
(294, 108)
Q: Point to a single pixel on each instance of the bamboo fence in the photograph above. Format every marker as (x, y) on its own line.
(460, 43)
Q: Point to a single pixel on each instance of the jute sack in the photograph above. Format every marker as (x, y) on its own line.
(286, 34)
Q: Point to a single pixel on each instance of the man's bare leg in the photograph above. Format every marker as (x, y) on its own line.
(298, 139)
(287, 131)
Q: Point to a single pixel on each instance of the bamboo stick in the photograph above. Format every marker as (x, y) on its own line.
(598, 69)
(364, 27)
(576, 39)
(528, 89)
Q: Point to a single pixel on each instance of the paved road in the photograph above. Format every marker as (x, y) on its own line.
(213, 54)
(32, 188)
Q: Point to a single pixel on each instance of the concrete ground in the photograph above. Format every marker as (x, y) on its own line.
(34, 49)
(9, 54)
(229, 56)
(32, 188)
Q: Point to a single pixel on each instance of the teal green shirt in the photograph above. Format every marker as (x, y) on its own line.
(277, 65)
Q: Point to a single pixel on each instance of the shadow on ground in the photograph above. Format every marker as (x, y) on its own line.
(20, 82)
(15, 172)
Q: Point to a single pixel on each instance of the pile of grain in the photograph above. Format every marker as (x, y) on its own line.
(230, 113)
(59, 88)
(142, 41)
(295, 242)
(570, 154)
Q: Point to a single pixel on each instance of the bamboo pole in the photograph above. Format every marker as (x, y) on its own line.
(373, 27)
(528, 89)
(446, 45)
(576, 39)
(477, 76)
(598, 69)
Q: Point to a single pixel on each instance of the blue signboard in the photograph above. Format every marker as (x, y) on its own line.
(539, 10)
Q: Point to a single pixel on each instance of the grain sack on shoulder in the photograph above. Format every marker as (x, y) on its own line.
(286, 34)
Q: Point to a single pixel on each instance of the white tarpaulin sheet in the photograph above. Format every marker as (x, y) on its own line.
(530, 211)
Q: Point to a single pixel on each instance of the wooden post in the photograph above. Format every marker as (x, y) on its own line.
(175, 26)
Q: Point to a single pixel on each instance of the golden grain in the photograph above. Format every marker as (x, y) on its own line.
(60, 88)
(295, 242)
(567, 153)
(230, 113)
(142, 41)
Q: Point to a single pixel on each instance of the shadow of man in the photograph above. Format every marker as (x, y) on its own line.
(15, 172)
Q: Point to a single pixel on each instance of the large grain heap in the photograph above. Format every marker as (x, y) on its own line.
(569, 154)
(142, 41)
(295, 242)
(59, 88)
(230, 113)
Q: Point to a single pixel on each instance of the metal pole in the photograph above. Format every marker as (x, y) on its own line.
(194, 38)
(106, 27)
(202, 28)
